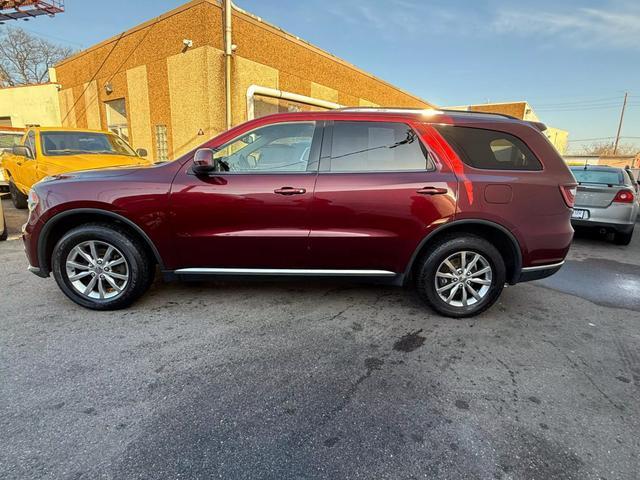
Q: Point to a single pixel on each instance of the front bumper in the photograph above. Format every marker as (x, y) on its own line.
(38, 272)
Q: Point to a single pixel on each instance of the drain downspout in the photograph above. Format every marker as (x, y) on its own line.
(228, 51)
(275, 93)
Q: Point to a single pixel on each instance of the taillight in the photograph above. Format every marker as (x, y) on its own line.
(624, 196)
(569, 194)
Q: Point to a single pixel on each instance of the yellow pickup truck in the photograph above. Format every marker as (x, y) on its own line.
(45, 151)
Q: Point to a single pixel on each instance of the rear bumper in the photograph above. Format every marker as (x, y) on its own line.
(620, 217)
(528, 274)
(618, 227)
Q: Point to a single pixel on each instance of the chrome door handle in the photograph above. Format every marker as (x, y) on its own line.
(431, 191)
(290, 191)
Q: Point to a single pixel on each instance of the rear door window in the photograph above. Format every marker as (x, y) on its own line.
(376, 147)
(489, 149)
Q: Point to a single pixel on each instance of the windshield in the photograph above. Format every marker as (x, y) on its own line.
(604, 177)
(69, 143)
(8, 140)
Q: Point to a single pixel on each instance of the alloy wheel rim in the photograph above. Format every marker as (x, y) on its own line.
(97, 270)
(463, 279)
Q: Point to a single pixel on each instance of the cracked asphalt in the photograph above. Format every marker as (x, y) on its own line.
(324, 380)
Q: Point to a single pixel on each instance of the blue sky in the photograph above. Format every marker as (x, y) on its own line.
(572, 60)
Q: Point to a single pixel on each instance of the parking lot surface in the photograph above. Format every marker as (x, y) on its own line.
(314, 380)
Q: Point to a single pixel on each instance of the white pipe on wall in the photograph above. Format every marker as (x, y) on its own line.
(228, 51)
(254, 90)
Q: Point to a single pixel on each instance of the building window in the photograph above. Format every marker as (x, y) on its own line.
(5, 121)
(162, 143)
(117, 118)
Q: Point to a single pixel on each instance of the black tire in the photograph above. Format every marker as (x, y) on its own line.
(5, 232)
(140, 268)
(18, 198)
(621, 238)
(453, 245)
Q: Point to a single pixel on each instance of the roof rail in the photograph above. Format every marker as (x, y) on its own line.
(426, 111)
(473, 112)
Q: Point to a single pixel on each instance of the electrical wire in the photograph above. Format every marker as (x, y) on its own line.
(115, 44)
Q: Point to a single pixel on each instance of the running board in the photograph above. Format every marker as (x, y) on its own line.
(285, 271)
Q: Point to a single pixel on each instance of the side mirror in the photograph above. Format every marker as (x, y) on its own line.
(142, 152)
(203, 161)
(22, 151)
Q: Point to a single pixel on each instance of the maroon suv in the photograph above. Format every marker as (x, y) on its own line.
(457, 203)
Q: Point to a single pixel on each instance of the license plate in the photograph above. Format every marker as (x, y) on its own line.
(580, 214)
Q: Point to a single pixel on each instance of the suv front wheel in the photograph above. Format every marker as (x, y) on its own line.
(461, 276)
(101, 267)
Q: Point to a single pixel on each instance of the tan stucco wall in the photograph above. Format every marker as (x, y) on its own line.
(185, 87)
(559, 138)
(32, 104)
(140, 130)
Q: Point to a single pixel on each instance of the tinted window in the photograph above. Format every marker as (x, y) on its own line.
(70, 143)
(489, 149)
(604, 177)
(376, 147)
(282, 147)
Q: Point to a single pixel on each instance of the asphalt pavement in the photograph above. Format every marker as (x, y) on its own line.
(324, 380)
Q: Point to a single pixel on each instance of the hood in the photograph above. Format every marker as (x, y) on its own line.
(79, 162)
(107, 171)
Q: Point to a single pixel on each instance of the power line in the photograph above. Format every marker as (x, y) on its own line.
(601, 138)
(580, 109)
(115, 44)
(578, 102)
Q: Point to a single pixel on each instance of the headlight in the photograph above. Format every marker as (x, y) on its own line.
(32, 200)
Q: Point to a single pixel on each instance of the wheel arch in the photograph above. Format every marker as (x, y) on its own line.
(498, 234)
(62, 222)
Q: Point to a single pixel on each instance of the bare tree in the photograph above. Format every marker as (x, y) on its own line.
(626, 149)
(26, 58)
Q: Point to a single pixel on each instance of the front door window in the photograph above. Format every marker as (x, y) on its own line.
(283, 147)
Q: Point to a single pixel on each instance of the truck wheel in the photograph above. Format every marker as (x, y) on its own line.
(5, 232)
(18, 198)
(461, 276)
(101, 267)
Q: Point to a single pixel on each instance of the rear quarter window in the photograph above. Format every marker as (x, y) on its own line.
(489, 149)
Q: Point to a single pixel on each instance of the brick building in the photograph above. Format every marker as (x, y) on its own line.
(161, 84)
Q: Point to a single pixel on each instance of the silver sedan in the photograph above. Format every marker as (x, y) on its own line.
(606, 199)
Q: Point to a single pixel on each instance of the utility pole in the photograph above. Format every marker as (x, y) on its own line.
(624, 105)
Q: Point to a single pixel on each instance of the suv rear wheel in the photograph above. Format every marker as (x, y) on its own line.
(101, 267)
(461, 276)
(18, 198)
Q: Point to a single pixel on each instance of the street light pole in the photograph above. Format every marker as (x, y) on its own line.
(624, 106)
